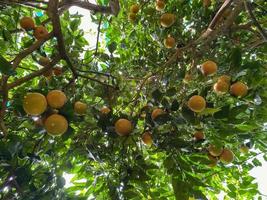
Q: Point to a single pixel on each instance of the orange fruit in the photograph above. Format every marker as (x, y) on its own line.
(225, 78)
(157, 112)
(215, 151)
(167, 19)
(213, 160)
(134, 8)
(44, 61)
(57, 71)
(105, 110)
(123, 127)
(221, 87)
(208, 68)
(132, 17)
(199, 135)
(160, 5)
(56, 125)
(80, 108)
(147, 138)
(27, 23)
(239, 89)
(227, 156)
(40, 32)
(197, 103)
(34, 103)
(56, 99)
(169, 42)
(244, 149)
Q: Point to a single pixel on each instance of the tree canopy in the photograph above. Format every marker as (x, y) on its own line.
(170, 103)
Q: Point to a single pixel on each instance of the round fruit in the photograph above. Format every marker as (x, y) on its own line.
(80, 108)
(27, 23)
(56, 125)
(45, 61)
(225, 78)
(215, 151)
(208, 68)
(123, 127)
(213, 160)
(197, 103)
(134, 8)
(157, 112)
(132, 17)
(40, 32)
(199, 135)
(227, 156)
(160, 5)
(244, 149)
(34, 103)
(57, 71)
(56, 99)
(167, 19)
(221, 87)
(147, 138)
(239, 89)
(105, 110)
(169, 42)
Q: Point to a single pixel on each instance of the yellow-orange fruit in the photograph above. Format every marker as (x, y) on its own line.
(197, 103)
(157, 112)
(221, 87)
(40, 32)
(215, 151)
(169, 42)
(213, 161)
(208, 68)
(56, 99)
(34, 103)
(167, 19)
(239, 89)
(27, 23)
(227, 156)
(123, 127)
(147, 138)
(80, 108)
(225, 78)
(57, 71)
(105, 110)
(244, 149)
(199, 135)
(206, 3)
(160, 5)
(45, 61)
(132, 17)
(56, 125)
(134, 8)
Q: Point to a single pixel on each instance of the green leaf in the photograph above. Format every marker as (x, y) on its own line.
(6, 67)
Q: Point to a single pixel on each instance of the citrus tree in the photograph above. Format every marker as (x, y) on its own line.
(170, 103)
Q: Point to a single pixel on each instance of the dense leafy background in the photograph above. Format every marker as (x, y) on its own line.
(132, 58)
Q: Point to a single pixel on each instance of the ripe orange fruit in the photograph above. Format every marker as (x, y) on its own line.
(239, 89)
(132, 17)
(27, 23)
(160, 5)
(213, 160)
(167, 19)
(123, 127)
(134, 8)
(147, 138)
(208, 68)
(57, 71)
(157, 112)
(56, 125)
(215, 151)
(197, 103)
(227, 156)
(199, 135)
(169, 42)
(105, 110)
(45, 61)
(40, 32)
(56, 99)
(221, 87)
(80, 108)
(34, 103)
(244, 149)
(225, 78)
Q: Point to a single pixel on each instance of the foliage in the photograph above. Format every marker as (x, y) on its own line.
(132, 73)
